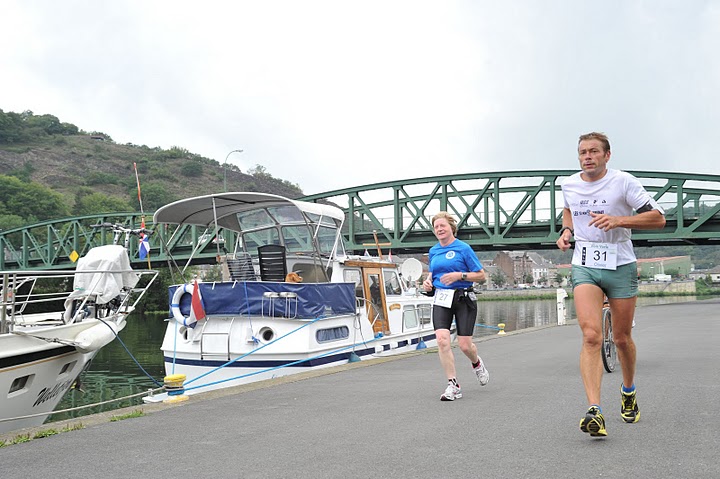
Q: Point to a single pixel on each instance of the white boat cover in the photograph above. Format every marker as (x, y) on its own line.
(202, 210)
(104, 271)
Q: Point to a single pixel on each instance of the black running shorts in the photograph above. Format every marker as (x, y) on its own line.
(463, 309)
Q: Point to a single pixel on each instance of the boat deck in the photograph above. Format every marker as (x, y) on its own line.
(384, 418)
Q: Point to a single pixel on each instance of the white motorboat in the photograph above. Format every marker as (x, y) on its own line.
(52, 324)
(259, 322)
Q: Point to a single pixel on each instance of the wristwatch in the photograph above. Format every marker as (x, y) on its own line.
(463, 276)
(562, 230)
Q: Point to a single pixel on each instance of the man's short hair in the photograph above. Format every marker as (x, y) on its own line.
(602, 137)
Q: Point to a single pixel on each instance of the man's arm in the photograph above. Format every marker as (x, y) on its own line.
(563, 241)
(647, 220)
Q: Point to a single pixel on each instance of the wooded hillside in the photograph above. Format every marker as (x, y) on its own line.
(90, 173)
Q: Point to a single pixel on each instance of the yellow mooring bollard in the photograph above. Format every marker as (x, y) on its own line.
(502, 328)
(174, 388)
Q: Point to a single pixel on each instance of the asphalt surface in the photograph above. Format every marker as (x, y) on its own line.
(384, 419)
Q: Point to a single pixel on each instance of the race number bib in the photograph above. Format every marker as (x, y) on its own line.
(443, 297)
(595, 255)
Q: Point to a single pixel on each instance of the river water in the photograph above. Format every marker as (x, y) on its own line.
(114, 374)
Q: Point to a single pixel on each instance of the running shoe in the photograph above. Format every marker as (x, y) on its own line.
(451, 393)
(482, 374)
(593, 423)
(629, 410)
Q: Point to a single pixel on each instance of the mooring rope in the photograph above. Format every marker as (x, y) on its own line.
(78, 408)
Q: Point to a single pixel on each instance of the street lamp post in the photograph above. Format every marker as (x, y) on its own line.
(225, 169)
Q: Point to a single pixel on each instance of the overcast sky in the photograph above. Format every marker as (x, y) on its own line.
(334, 94)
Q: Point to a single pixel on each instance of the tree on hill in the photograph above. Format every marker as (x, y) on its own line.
(30, 201)
(19, 127)
(87, 202)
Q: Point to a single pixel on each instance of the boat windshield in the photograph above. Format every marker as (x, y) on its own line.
(286, 225)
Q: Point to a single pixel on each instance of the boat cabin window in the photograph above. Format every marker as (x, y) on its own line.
(20, 383)
(410, 318)
(253, 239)
(286, 214)
(332, 334)
(254, 219)
(323, 220)
(354, 276)
(392, 282)
(326, 239)
(416, 316)
(297, 238)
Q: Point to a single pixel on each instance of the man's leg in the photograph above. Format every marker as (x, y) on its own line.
(623, 310)
(588, 307)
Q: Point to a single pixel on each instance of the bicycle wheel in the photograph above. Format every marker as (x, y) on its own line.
(609, 353)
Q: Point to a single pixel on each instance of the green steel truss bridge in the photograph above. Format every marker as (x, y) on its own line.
(512, 210)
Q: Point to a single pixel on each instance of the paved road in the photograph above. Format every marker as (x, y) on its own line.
(386, 420)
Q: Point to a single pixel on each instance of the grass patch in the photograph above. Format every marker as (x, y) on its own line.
(45, 433)
(20, 439)
(73, 427)
(135, 413)
(40, 434)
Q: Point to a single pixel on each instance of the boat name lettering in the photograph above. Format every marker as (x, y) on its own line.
(49, 393)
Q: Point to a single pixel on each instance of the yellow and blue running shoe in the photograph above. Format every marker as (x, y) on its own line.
(629, 410)
(593, 423)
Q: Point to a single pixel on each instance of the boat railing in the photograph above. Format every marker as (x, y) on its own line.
(272, 302)
(46, 298)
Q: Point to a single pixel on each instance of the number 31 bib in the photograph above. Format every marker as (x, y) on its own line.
(595, 255)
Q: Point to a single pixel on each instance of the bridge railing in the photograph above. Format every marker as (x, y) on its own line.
(511, 210)
(56, 244)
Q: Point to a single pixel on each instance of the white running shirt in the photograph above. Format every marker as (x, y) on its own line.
(617, 194)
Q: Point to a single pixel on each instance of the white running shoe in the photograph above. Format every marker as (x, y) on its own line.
(482, 374)
(451, 393)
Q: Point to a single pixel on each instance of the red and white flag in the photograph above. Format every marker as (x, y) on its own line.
(197, 311)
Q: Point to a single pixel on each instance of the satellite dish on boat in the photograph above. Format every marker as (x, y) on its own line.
(411, 269)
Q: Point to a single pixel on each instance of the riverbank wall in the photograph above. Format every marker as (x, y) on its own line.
(653, 287)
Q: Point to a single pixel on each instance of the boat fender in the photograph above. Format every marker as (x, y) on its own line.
(96, 337)
(186, 321)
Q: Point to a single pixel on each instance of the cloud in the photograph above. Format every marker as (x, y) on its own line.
(333, 94)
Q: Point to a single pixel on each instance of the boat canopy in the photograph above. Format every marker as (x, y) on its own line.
(224, 208)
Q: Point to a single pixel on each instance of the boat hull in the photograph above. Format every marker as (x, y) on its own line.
(35, 381)
(207, 374)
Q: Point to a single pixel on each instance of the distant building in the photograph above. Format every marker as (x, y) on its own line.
(515, 265)
(518, 265)
(714, 274)
(676, 266)
(543, 271)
